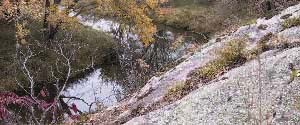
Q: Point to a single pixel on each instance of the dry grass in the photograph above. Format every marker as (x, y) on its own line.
(178, 91)
(231, 55)
(292, 22)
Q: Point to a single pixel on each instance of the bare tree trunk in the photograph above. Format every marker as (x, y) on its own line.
(49, 29)
(46, 15)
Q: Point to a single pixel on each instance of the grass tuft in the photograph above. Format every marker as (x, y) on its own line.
(232, 54)
(292, 22)
(178, 91)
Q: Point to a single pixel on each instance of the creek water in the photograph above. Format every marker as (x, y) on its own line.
(111, 83)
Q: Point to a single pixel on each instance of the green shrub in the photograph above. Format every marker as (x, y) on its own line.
(292, 22)
(232, 54)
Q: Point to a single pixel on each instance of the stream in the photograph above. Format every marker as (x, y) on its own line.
(110, 84)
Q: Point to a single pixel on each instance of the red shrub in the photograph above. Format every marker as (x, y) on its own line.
(9, 98)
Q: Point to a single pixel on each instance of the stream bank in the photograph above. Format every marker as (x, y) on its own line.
(109, 84)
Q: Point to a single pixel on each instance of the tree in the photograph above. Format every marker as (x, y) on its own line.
(59, 17)
(55, 14)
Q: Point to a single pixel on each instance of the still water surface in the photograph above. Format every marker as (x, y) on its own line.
(100, 88)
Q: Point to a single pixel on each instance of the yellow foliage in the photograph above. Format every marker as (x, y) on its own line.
(21, 33)
(32, 8)
(137, 13)
(61, 18)
(132, 12)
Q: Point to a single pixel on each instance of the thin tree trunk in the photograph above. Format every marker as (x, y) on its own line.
(46, 15)
(49, 29)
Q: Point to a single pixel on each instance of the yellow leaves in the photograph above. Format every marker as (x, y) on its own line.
(67, 3)
(131, 12)
(138, 14)
(153, 4)
(146, 33)
(7, 9)
(32, 8)
(21, 33)
(53, 9)
(62, 19)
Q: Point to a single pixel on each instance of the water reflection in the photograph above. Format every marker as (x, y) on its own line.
(135, 63)
(95, 91)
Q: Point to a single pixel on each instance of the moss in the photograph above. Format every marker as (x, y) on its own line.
(232, 54)
(292, 22)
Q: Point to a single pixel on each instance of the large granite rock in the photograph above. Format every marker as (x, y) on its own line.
(236, 98)
(208, 104)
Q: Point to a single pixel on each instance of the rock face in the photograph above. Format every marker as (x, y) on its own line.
(234, 99)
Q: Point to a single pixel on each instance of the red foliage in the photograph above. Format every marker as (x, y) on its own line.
(75, 117)
(43, 94)
(9, 98)
(74, 108)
